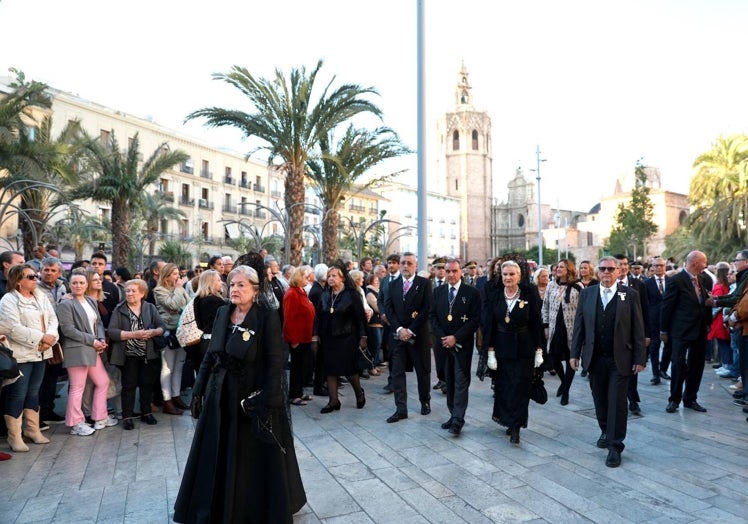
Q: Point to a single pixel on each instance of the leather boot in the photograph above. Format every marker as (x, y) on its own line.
(15, 440)
(179, 403)
(170, 409)
(32, 427)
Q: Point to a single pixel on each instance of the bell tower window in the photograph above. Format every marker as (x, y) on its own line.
(456, 140)
(475, 140)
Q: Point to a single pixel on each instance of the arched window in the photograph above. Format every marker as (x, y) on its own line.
(521, 220)
(475, 140)
(456, 141)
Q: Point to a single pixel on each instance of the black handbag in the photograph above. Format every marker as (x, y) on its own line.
(537, 389)
(159, 342)
(8, 363)
(172, 341)
(363, 359)
(260, 418)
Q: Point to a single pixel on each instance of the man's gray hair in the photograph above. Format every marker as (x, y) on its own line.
(320, 272)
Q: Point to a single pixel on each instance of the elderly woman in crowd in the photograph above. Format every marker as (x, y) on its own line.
(29, 322)
(375, 327)
(513, 339)
(132, 328)
(297, 332)
(339, 330)
(559, 311)
(83, 345)
(171, 297)
(242, 465)
(541, 278)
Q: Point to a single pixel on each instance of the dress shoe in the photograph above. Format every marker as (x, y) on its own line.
(514, 436)
(663, 374)
(179, 403)
(740, 402)
(329, 408)
(439, 384)
(170, 409)
(602, 442)
(397, 417)
(387, 390)
(128, 424)
(634, 408)
(425, 408)
(455, 428)
(656, 381)
(695, 406)
(361, 401)
(584, 373)
(560, 390)
(149, 419)
(739, 394)
(564, 398)
(614, 458)
(444, 389)
(447, 424)
(672, 407)
(52, 418)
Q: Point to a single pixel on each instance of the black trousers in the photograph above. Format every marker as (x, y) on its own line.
(138, 373)
(401, 351)
(48, 389)
(300, 365)
(609, 392)
(687, 368)
(440, 358)
(457, 374)
(659, 363)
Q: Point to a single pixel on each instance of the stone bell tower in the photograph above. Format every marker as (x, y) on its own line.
(465, 169)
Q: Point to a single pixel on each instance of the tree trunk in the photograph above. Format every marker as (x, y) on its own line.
(120, 232)
(294, 195)
(330, 236)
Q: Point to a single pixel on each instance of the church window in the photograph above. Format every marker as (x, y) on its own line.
(456, 141)
(456, 187)
(475, 140)
(521, 220)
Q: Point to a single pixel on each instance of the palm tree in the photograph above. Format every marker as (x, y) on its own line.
(336, 173)
(289, 123)
(155, 209)
(719, 195)
(119, 179)
(174, 251)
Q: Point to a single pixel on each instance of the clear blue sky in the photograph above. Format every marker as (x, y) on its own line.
(597, 84)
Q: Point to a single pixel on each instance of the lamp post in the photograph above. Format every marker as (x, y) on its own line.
(540, 206)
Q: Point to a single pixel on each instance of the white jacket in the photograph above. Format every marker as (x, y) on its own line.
(21, 323)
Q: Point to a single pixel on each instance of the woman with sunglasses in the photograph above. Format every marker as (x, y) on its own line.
(29, 322)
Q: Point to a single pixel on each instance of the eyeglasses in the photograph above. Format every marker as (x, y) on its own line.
(30, 277)
(606, 269)
(738, 260)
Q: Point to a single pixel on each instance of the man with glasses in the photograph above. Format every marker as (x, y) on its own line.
(406, 305)
(609, 338)
(686, 318)
(454, 318)
(655, 287)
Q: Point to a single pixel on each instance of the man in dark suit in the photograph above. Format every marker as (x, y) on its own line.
(407, 304)
(454, 318)
(655, 287)
(609, 337)
(393, 273)
(685, 318)
(440, 356)
(627, 279)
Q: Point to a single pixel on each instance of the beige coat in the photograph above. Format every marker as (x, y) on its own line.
(21, 323)
(554, 295)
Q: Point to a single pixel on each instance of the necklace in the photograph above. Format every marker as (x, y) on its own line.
(449, 315)
(510, 301)
(332, 302)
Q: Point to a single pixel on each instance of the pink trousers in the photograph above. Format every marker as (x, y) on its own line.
(77, 377)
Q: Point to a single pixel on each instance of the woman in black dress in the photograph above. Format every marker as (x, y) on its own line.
(514, 342)
(234, 472)
(340, 327)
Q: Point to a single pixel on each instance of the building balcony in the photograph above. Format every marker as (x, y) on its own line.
(244, 184)
(205, 204)
(357, 208)
(259, 213)
(275, 193)
(258, 188)
(168, 196)
(373, 211)
(229, 208)
(187, 201)
(243, 210)
(187, 169)
(228, 180)
(204, 173)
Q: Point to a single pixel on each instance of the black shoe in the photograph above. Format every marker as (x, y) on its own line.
(552, 372)
(128, 425)
(447, 424)
(90, 421)
(322, 391)
(672, 407)
(52, 418)
(602, 442)
(425, 408)
(397, 417)
(584, 373)
(440, 384)
(361, 401)
(695, 406)
(560, 390)
(663, 374)
(738, 394)
(564, 399)
(634, 408)
(329, 408)
(148, 419)
(444, 390)
(656, 381)
(745, 409)
(614, 458)
(455, 428)
(43, 426)
(387, 390)
(514, 436)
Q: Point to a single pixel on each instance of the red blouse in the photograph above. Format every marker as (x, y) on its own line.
(298, 316)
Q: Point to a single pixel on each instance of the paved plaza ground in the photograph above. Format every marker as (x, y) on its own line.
(682, 467)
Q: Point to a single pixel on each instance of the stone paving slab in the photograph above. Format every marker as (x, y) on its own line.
(356, 468)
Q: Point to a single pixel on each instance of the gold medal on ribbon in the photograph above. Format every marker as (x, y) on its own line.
(245, 336)
(521, 304)
(332, 310)
(415, 314)
(449, 318)
(506, 319)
